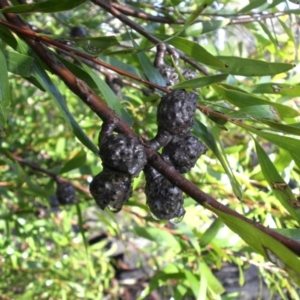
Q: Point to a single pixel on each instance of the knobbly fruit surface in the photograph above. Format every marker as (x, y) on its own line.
(169, 74)
(65, 193)
(176, 112)
(189, 74)
(110, 188)
(163, 198)
(183, 152)
(122, 153)
(171, 77)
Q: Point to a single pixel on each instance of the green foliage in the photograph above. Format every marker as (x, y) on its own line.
(248, 117)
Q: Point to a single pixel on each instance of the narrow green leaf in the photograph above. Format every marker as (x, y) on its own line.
(281, 189)
(159, 236)
(290, 144)
(277, 88)
(256, 111)
(7, 36)
(251, 67)
(189, 21)
(5, 97)
(152, 73)
(290, 128)
(268, 33)
(263, 243)
(244, 99)
(210, 140)
(296, 158)
(253, 4)
(287, 30)
(60, 102)
(213, 283)
(205, 27)
(183, 228)
(75, 162)
(95, 45)
(111, 99)
(211, 232)
(193, 281)
(92, 271)
(121, 65)
(45, 6)
(195, 51)
(200, 82)
(18, 64)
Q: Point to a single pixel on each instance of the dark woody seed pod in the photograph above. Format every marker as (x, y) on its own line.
(122, 153)
(112, 189)
(183, 152)
(163, 198)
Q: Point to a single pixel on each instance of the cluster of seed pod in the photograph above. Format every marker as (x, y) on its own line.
(123, 158)
(175, 118)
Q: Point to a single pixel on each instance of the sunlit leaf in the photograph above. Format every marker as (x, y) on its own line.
(256, 111)
(18, 64)
(110, 97)
(280, 188)
(200, 82)
(200, 28)
(4, 91)
(252, 67)
(244, 99)
(277, 88)
(75, 162)
(210, 140)
(47, 84)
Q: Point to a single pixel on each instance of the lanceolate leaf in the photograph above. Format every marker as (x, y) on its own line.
(76, 161)
(18, 64)
(204, 27)
(48, 85)
(111, 99)
(200, 82)
(95, 45)
(252, 67)
(277, 88)
(292, 145)
(256, 111)
(4, 90)
(290, 128)
(280, 188)
(209, 140)
(244, 99)
(152, 73)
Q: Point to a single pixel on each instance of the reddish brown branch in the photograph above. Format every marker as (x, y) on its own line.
(53, 175)
(26, 31)
(86, 94)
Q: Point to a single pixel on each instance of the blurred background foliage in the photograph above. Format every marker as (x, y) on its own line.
(76, 251)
